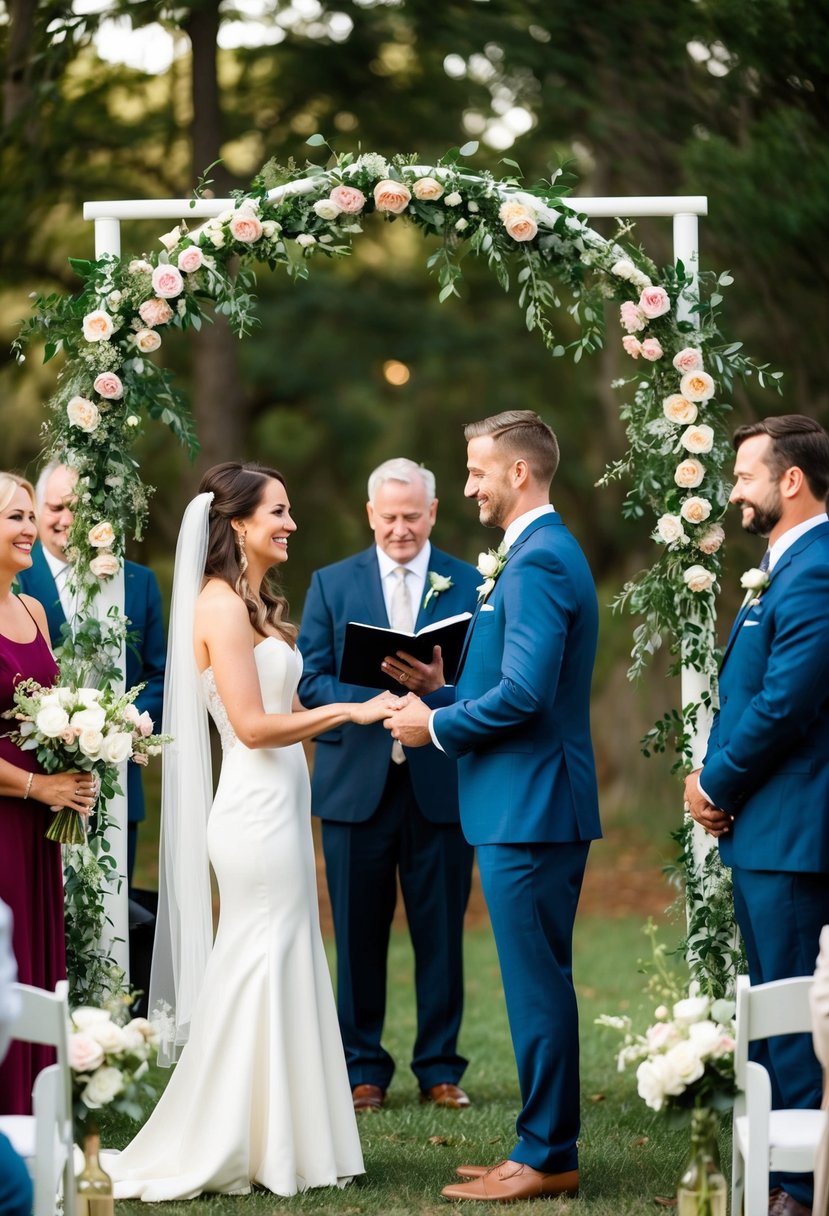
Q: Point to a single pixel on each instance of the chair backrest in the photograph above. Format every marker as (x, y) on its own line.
(764, 1010)
(44, 1017)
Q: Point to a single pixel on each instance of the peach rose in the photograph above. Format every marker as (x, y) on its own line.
(105, 565)
(697, 579)
(632, 346)
(155, 312)
(689, 474)
(83, 414)
(651, 350)
(427, 189)
(109, 386)
(147, 340)
(101, 535)
(688, 360)
(190, 259)
(98, 326)
(167, 281)
(654, 302)
(711, 539)
(678, 409)
(349, 199)
(695, 510)
(519, 221)
(632, 318)
(391, 196)
(697, 386)
(698, 439)
(246, 227)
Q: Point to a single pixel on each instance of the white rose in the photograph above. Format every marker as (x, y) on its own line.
(85, 1054)
(116, 747)
(698, 439)
(698, 579)
(52, 721)
(131, 714)
(485, 588)
(623, 269)
(170, 239)
(670, 530)
(326, 209)
(305, 240)
(453, 200)
(88, 696)
(683, 1061)
(103, 1087)
(89, 741)
(705, 1036)
(88, 1015)
(92, 717)
(110, 1036)
(83, 414)
(689, 474)
(691, 1009)
(652, 1081)
(754, 579)
(216, 238)
(472, 207)
(712, 539)
(677, 408)
(488, 564)
(461, 224)
(696, 510)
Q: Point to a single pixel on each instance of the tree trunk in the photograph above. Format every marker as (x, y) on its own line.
(17, 87)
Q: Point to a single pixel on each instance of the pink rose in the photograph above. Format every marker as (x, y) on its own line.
(712, 539)
(427, 189)
(167, 281)
(348, 199)
(631, 317)
(688, 360)
(147, 340)
(109, 385)
(190, 259)
(651, 350)
(246, 227)
(155, 312)
(145, 725)
(97, 326)
(105, 565)
(141, 759)
(392, 197)
(632, 346)
(85, 1055)
(654, 302)
(521, 228)
(697, 386)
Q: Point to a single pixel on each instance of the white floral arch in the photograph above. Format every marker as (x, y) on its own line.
(535, 241)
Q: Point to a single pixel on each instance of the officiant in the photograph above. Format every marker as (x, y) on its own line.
(388, 813)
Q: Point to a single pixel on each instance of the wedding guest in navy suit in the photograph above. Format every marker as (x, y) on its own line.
(764, 784)
(46, 581)
(387, 816)
(519, 724)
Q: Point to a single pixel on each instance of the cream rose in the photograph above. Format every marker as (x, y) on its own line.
(246, 227)
(654, 302)
(326, 209)
(116, 747)
(698, 439)
(711, 539)
(92, 717)
(683, 1060)
(696, 510)
(88, 696)
(83, 414)
(143, 1027)
(754, 579)
(89, 741)
(632, 346)
(190, 259)
(489, 564)
(454, 199)
(87, 1015)
(461, 225)
(688, 360)
(519, 222)
(105, 565)
(427, 189)
(167, 281)
(670, 530)
(85, 1054)
(305, 240)
(101, 535)
(679, 409)
(52, 721)
(623, 269)
(689, 474)
(147, 340)
(651, 350)
(98, 326)
(109, 386)
(155, 312)
(653, 1081)
(697, 579)
(110, 1036)
(349, 199)
(391, 196)
(697, 386)
(102, 1088)
(139, 266)
(632, 318)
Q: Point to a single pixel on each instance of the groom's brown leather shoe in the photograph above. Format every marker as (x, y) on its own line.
(368, 1097)
(511, 1180)
(446, 1094)
(475, 1171)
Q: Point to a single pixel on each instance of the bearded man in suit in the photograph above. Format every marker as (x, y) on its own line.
(389, 814)
(47, 580)
(519, 723)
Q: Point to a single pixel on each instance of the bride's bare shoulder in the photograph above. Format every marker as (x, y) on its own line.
(219, 603)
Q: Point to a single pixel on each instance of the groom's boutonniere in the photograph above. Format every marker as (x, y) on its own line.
(437, 584)
(490, 565)
(755, 582)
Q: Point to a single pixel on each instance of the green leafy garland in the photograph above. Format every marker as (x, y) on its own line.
(675, 403)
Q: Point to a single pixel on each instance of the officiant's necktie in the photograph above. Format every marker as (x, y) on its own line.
(402, 618)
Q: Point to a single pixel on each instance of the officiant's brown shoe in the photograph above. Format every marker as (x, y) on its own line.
(512, 1180)
(368, 1097)
(446, 1094)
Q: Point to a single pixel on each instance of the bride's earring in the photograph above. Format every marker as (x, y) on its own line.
(243, 557)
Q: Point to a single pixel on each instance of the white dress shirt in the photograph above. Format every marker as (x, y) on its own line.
(60, 573)
(417, 570)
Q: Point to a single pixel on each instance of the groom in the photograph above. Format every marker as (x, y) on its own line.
(520, 727)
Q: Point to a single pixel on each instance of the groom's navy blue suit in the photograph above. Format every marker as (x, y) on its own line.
(381, 820)
(767, 764)
(520, 728)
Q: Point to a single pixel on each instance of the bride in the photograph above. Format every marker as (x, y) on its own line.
(261, 1094)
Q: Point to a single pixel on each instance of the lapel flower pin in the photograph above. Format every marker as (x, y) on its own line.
(490, 565)
(437, 584)
(755, 582)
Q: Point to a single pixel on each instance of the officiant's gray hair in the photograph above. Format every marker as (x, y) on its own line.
(401, 469)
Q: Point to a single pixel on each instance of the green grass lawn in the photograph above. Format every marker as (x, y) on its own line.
(627, 1156)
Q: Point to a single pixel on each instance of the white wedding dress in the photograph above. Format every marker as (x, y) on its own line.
(261, 1093)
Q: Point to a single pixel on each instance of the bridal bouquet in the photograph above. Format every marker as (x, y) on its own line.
(109, 1064)
(88, 729)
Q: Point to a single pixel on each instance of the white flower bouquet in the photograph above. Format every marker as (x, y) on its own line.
(81, 729)
(109, 1065)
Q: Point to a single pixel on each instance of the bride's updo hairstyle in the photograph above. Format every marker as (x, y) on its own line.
(237, 491)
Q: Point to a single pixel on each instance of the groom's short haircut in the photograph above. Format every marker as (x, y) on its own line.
(796, 441)
(523, 434)
(406, 471)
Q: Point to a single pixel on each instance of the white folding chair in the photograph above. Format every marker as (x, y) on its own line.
(44, 1139)
(766, 1139)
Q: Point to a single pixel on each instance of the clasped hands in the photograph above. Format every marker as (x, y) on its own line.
(409, 719)
(711, 818)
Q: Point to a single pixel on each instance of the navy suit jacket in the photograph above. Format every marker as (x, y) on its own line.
(520, 724)
(142, 604)
(351, 763)
(768, 752)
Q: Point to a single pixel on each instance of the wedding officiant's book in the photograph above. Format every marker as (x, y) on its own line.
(367, 645)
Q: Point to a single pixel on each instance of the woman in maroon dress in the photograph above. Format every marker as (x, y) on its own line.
(31, 881)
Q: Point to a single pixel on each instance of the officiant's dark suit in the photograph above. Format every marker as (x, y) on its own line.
(144, 661)
(382, 820)
(766, 769)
